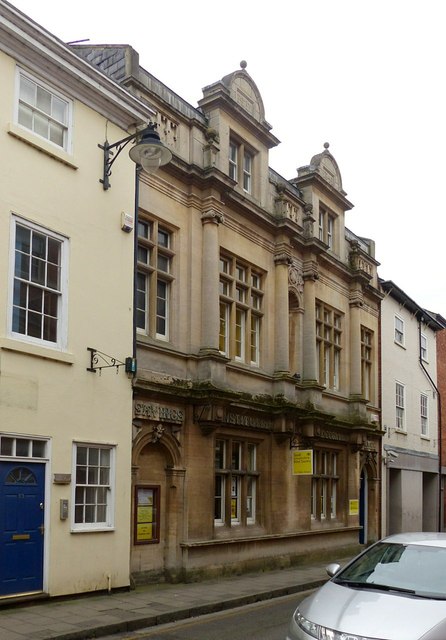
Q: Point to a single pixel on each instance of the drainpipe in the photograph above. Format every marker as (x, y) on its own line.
(440, 492)
(135, 259)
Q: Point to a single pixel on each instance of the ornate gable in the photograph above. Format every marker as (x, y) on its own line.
(245, 93)
(327, 167)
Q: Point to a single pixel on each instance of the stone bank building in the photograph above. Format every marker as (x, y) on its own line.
(255, 424)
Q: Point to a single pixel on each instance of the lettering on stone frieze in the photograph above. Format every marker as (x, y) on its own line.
(328, 435)
(158, 412)
(244, 101)
(248, 421)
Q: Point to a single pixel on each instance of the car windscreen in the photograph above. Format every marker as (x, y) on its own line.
(416, 569)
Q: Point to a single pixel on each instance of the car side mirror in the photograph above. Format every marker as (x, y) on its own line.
(332, 568)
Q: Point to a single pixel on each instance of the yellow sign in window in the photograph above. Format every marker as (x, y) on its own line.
(144, 532)
(302, 462)
(353, 507)
(146, 525)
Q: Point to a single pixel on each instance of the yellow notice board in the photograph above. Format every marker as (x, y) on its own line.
(144, 514)
(144, 531)
(302, 462)
(353, 507)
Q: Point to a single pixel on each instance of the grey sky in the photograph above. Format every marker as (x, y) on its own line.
(364, 76)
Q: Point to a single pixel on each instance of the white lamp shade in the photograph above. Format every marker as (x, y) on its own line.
(150, 152)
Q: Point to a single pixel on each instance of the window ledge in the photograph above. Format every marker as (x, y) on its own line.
(400, 344)
(41, 145)
(98, 530)
(402, 431)
(336, 528)
(36, 350)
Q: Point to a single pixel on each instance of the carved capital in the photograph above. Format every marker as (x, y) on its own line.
(310, 270)
(216, 217)
(212, 136)
(282, 258)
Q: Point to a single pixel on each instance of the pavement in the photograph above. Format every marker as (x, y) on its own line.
(100, 615)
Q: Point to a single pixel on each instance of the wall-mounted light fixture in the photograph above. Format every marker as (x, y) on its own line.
(149, 152)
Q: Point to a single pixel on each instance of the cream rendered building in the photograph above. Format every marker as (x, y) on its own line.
(256, 436)
(66, 287)
(410, 416)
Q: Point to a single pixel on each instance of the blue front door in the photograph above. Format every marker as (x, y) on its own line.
(21, 527)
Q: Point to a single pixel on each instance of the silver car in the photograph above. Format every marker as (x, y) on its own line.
(395, 590)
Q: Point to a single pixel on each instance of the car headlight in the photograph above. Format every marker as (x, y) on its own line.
(323, 633)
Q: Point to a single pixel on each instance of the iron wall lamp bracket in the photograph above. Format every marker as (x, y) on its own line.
(149, 152)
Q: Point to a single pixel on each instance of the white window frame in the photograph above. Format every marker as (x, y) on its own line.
(240, 315)
(219, 520)
(109, 523)
(165, 317)
(400, 406)
(251, 496)
(247, 171)
(62, 305)
(255, 340)
(156, 257)
(23, 446)
(240, 334)
(367, 337)
(423, 347)
(224, 324)
(241, 159)
(233, 161)
(326, 228)
(236, 482)
(324, 486)
(329, 325)
(321, 225)
(330, 227)
(238, 478)
(399, 331)
(67, 146)
(139, 294)
(424, 414)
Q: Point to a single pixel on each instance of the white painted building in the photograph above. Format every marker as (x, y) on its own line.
(410, 474)
(66, 286)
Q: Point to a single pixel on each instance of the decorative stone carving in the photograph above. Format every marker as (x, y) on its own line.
(310, 270)
(211, 135)
(358, 262)
(282, 258)
(212, 216)
(326, 166)
(295, 279)
(157, 432)
(308, 221)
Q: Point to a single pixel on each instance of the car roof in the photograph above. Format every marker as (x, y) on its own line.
(432, 538)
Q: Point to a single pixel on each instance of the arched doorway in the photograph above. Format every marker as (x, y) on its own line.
(369, 498)
(157, 485)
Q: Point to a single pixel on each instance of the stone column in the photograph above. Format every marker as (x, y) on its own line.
(281, 315)
(310, 275)
(210, 314)
(175, 518)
